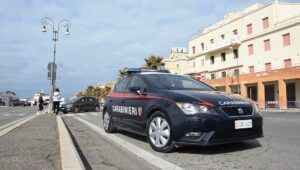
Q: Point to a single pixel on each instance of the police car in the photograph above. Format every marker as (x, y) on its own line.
(173, 110)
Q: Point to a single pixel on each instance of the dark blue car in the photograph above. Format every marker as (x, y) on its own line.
(173, 110)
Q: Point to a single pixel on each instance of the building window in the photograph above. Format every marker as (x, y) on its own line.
(235, 32)
(223, 57)
(202, 46)
(268, 66)
(212, 60)
(249, 29)
(265, 22)
(223, 73)
(236, 72)
(177, 65)
(212, 76)
(235, 53)
(287, 63)
(223, 36)
(212, 41)
(193, 64)
(251, 69)
(250, 49)
(286, 39)
(267, 45)
(194, 49)
(202, 62)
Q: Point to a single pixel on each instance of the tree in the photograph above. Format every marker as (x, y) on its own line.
(154, 62)
(122, 73)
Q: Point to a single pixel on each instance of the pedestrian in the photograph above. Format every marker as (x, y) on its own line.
(41, 102)
(56, 100)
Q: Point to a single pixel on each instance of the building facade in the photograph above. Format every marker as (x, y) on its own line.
(254, 52)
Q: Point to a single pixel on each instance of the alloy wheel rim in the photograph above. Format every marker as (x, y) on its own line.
(159, 132)
(106, 121)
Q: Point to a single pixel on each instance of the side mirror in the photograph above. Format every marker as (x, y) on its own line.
(136, 90)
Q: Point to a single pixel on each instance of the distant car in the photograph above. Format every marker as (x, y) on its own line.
(81, 104)
(63, 101)
(20, 103)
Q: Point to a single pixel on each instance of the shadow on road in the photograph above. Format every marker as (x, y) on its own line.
(207, 150)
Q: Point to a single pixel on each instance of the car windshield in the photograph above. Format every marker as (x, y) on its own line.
(176, 82)
(72, 100)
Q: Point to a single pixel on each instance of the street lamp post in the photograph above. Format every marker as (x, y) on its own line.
(55, 29)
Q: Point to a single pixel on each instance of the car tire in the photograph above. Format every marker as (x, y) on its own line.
(108, 125)
(160, 137)
(76, 109)
(97, 108)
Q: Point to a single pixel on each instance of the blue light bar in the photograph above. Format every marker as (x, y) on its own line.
(138, 70)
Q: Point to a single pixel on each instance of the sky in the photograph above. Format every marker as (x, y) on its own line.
(106, 35)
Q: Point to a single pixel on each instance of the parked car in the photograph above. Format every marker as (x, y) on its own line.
(173, 110)
(20, 103)
(81, 104)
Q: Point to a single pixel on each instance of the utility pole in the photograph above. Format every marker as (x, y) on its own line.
(52, 65)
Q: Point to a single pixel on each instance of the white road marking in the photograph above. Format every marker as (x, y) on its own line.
(147, 156)
(95, 114)
(21, 114)
(10, 126)
(14, 111)
(5, 114)
(81, 114)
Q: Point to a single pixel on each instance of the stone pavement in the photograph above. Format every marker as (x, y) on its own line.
(33, 145)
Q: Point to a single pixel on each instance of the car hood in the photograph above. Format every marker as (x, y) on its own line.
(215, 98)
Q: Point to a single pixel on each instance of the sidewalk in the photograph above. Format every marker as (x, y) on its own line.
(281, 110)
(33, 145)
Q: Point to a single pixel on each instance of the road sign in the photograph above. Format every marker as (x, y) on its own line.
(54, 66)
(54, 75)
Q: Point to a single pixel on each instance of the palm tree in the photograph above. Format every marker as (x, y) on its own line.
(122, 73)
(154, 62)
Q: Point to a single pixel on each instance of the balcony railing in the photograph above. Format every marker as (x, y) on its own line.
(222, 44)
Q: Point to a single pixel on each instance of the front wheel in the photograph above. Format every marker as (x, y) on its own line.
(108, 123)
(76, 109)
(97, 108)
(159, 132)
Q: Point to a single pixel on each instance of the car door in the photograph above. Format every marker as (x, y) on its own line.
(116, 102)
(90, 104)
(82, 104)
(137, 103)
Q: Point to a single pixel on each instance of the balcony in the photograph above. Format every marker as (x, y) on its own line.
(223, 44)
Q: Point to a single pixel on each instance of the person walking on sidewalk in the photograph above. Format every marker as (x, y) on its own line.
(41, 102)
(56, 100)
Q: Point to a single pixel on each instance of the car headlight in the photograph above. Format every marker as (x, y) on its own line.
(256, 109)
(191, 109)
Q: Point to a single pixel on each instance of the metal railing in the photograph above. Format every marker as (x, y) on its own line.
(272, 104)
(293, 104)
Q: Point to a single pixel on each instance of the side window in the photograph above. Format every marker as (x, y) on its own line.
(137, 82)
(82, 100)
(91, 100)
(121, 86)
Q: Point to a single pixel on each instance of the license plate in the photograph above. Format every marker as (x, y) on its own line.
(243, 124)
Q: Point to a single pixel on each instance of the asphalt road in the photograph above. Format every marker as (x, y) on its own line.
(279, 149)
(10, 114)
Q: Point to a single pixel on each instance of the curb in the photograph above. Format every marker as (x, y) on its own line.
(68, 154)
